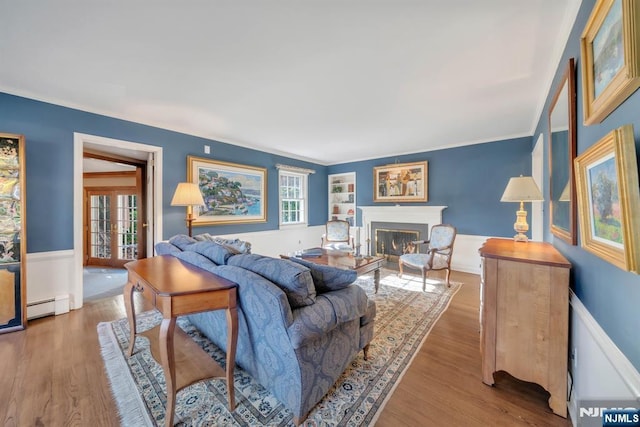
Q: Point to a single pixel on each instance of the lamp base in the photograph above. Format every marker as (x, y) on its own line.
(521, 226)
(190, 219)
(520, 237)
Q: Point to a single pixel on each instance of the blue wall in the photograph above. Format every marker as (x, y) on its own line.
(611, 295)
(469, 180)
(48, 131)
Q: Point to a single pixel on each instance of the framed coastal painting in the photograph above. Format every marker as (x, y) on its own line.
(400, 182)
(610, 47)
(232, 193)
(609, 199)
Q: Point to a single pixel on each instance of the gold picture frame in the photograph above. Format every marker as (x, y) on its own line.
(610, 47)
(609, 199)
(401, 182)
(233, 193)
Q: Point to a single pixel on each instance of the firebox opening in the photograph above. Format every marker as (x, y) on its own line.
(393, 243)
(393, 239)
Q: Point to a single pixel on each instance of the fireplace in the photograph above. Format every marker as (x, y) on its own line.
(392, 239)
(399, 218)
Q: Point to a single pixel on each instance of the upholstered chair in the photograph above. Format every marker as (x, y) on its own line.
(337, 233)
(437, 256)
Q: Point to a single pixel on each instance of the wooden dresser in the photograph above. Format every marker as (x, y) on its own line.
(524, 311)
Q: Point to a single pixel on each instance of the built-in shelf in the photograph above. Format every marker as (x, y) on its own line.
(342, 196)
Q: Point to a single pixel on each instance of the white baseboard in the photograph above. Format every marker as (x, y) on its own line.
(599, 369)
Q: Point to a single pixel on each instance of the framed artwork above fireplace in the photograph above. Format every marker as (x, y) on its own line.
(400, 182)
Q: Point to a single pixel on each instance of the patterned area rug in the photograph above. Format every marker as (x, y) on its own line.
(405, 315)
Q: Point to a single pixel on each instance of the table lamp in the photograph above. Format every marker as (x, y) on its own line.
(521, 189)
(187, 194)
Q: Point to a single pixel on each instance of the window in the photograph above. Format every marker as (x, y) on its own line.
(293, 197)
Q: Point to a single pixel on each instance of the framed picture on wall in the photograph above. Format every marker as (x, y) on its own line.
(232, 193)
(400, 182)
(610, 47)
(609, 199)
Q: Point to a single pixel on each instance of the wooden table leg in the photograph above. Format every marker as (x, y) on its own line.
(376, 279)
(232, 340)
(167, 329)
(131, 316)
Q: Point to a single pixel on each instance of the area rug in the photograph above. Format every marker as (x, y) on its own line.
(405, 315)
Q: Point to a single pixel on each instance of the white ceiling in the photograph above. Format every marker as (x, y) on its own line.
(323, 80)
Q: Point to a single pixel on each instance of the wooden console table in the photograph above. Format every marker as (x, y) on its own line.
(177, 288)
(524, 312)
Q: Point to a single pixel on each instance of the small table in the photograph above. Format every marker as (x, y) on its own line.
(177, 288)
(347, 261)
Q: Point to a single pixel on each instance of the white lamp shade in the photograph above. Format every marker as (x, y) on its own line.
(521, 189)
(187, 194)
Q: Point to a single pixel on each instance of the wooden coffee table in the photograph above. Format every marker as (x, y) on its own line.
(347, 261)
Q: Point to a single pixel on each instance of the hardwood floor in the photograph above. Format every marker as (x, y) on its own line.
(52, 374)
(443, 386)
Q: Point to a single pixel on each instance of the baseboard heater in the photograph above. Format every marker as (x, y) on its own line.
(42, 308)
(48, 307)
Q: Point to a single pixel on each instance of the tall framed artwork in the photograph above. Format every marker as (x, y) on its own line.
(401, 182)
(609, 199)
(610, 47)
(13, 298)
(232, 193)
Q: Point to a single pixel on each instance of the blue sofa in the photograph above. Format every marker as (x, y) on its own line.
(299, 325)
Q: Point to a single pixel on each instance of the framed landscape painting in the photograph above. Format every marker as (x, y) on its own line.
(610, 50)
(609, 199)
(232, 193)
(400, 182)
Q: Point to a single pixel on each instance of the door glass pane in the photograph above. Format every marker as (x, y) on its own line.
(100, 227)
(127, 216)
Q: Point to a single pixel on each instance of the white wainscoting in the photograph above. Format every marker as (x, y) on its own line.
(49, 281)
(599, 369)
(466, 257)
(275, 242)
(280, 242)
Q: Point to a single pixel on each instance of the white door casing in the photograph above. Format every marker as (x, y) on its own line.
(115, 146)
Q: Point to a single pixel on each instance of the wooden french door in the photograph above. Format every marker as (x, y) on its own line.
(112, 226)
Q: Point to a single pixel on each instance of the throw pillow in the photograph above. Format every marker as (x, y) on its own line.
(294, 279)
(196, 259)
(327, 278)
(181, 241)
(215, 252)
(237, 245)
(166, 248)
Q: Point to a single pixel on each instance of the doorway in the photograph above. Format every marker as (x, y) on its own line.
(148, 203)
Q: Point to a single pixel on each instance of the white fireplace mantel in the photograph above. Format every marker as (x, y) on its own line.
(430, 215)
(465, 257)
